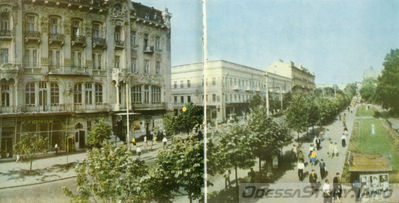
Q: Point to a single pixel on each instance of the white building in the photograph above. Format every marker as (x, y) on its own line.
(229, 87)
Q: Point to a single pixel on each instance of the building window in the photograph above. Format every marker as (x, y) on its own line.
(158, 68)
(181, 84)
(30, 23)
(54, 94)
(146, 94)
(146, 66)
(145, 41)
(155, 94)
(89, 93)
(213, 81)
(30, 94)
(96, 30)
(188, 83)
(175, 84)
(175, 99)
(3, 56)
(188, 99)
(4, 22)
(75, 28)
(134, 65)
(182, 99)
(5, 95)
(97, 61)
(117, 61)
(118, 34)
(77, 61)
(136, 94)
(133, 38)
(158, 43)
(77, 93)
(214, 97)
(54, 21)
(99, 94)
(54, 57)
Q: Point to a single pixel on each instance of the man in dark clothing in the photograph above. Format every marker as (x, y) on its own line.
(313, 181)
(322, 166)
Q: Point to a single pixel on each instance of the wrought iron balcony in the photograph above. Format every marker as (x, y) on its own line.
(55, 38)
(5, 35)
(32, 36)
(99, 43)
(119, 44)
(79, 41)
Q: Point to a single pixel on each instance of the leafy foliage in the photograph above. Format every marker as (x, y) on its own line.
(183, 121)
(368, 90)
(387, 87)
(256, 101)
(100, 132)
(29, 145)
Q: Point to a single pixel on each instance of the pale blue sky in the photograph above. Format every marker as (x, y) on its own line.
(337, 40)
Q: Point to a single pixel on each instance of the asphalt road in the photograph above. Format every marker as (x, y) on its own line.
(46, 192)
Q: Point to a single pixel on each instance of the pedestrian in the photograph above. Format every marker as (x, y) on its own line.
(314, 157)
(346, 132)
(251, 175)
(164, 141)
(301, 157)
(145, 140)
(331, 149)
(301, 166)
(356, 186)
(138, 151)
(134, 141)
(322, 166)
(56, 148)
(343, 140)
(335, 150)
(313, 181)
(294, 151)
(326, 191)
(337, 191)
(311, 149)
(227, 178)
(328, 134)
(316, 142)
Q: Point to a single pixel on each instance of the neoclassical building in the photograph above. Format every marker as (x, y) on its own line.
(230, 86)
(65, 64)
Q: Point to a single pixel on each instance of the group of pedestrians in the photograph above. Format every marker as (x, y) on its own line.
(334, 192)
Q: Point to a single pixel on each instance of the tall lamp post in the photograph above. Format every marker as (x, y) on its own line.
(127, 117)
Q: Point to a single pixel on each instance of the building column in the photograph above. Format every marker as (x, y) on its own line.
(117, 106)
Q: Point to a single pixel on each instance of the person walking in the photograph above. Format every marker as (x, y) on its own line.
(316, 142)
(326, 191)
(145, 140)
(331, 150)
(164, 141)
(322, 166)
(337, 191)
(227, 179)
(335, 150)
(311, 149)
(138, 151)
(301, 167)
(313, 181)
(301, 157)
(343, 140)
(294, 152)
(356, 187)
(314, 158)
(56, 148)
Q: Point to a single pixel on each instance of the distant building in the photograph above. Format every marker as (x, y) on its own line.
(230, 87)
(66, 64)
(301, 79)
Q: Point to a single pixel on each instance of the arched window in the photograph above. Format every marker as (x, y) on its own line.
(30, 94)
(54, 94)
(5, 95)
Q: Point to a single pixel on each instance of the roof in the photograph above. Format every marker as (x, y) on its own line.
(368, 163)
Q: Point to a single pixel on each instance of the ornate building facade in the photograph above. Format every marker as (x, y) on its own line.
(65, 64)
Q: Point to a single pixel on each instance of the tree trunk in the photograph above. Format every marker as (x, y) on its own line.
(30, 167)
(260, 166)
(236, 171)
(191, 198)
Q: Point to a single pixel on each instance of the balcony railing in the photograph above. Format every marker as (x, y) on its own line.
(99, 43)
(119, 44)
(150, 106)
(92, 107)
(79, 40)
(73, 70)
(5, 35)
(149, 50)
(55, 38)
(32, 36)
(56, 108)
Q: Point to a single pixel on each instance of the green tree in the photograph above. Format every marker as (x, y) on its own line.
(256, 101)
(100, 132)
(183, 121)
(109, 174)
(266, 137)
(387, 86)
(368, 90)
(351, 89)
(297, 114)
(183, 164)
(30, 145)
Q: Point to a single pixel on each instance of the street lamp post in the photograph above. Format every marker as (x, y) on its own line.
(267, 96)
(127, 117)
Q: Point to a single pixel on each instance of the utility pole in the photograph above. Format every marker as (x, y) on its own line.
(267, 97)
(127, 117)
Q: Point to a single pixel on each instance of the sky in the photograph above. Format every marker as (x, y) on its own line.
(336, 39)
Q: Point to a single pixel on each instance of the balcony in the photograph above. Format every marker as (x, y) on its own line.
(5, 35)
(32, 36)
(56, 39)
(248, 89)
(119, 44)
(7, 109)
(99, 43)
(236, 87)
(149, 106)
(79, 41)
(88, 108)
(69, 71)
(149, 50)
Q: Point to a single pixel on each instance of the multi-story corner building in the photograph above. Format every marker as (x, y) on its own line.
(301, 79)
(65, 64)
(229, 87)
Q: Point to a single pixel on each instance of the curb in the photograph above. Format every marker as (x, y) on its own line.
(30, 184)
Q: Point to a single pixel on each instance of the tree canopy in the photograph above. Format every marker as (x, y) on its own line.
(29, 145)
(388, 83)
(99, 132)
